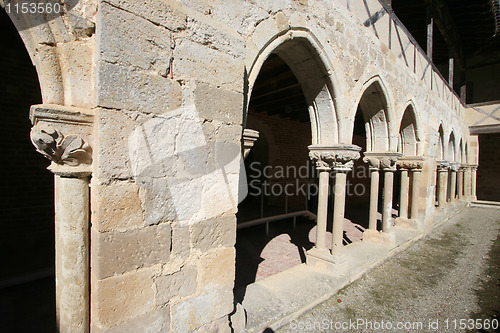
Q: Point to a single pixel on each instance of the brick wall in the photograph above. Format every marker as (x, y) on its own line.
(26, 227)
(488, 179)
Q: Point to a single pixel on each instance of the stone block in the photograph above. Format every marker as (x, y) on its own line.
(178, 284)
(217, 268)
(214, 103)
(194, 60)
(157, 321)
(130, 40)
(209, 234)
(191, 314)
(124, 88)
(116, 252)
(118, 299)
(116, 206)
(380, 238)
(180, 241)
(163, 13)
(218, 326)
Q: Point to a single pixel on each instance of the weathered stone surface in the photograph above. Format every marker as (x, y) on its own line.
(117, 299)
(209, 234)
(214, 268)
(218, 326)
(116, 252)
(130, 40)
(215, 103)
(178, 284)
(180, 241)
(116, 206)
(157, 321)
(122, 88)
(193, 313)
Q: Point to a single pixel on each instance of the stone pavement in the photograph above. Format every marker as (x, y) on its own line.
(450, 275)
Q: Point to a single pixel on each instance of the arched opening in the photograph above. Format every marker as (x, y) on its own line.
(289, 105)
(407, 143)
(451, 157)
(27, 228)
(371, 133)
(440, 156)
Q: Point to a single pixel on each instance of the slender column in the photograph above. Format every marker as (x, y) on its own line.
(324, 177)
(453, 182)
(473, 182)
(415, 193)
(71, 164)
(403, 197)
(339, 210)
(442, 183)
(460, 183)
(374, 181)
(387, 210)
(72, 253)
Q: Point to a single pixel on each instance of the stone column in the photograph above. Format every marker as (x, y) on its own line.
(468, 182)
(71, 164)
(374, 184)
(414, 164)
(387, 162)
(453, 182)
(442, 169)
(403, 197)
(473, 181)
(340, 158)
(460, 182)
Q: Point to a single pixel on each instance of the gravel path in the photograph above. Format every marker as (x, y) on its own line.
(451, 274)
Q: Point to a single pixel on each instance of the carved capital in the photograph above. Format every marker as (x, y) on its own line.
(62, 135)
(249, 138)
(443, 166)
(382, 160)
(454, 166)
(337, 157)
(414, 163)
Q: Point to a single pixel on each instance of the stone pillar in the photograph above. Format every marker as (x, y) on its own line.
(468, 182)
(62, 134)
(473, 181)
(385, 161)
(442, 169)
(453, 182)
(460, 183)
(414, 165)
(374, 184)
(340, 158)
(403, 197)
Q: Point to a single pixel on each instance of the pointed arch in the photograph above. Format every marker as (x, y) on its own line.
(408, 132)
(309, 62)
(451, 152)
(460, 151)
(440, 152)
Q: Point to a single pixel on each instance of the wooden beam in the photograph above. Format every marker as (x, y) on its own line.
(430, 29)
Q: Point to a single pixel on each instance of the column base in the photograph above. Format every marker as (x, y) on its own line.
(323, 261)
(406, 223)
(379, 238)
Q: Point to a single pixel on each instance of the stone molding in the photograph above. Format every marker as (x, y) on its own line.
(63, 135)
(413, 163)
(249, 138)
(336, 157)
(385, 160)
(454, 166)
(443, 166)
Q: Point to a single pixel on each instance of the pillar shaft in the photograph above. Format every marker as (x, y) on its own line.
(415, 189)
(72, 257)
(324, 177)
(374, 181)
(453, 185)
(338, 211)
(403, 197)
(387, 210)
(468, 183)
(473, 183)
(442, 185)
(460, 184)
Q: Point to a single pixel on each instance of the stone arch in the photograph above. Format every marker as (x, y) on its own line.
(466, 153)
(61, 50)
(374, 105)
(408, 132)
(441, 150)
(451, 152)
(308, 61)
(460, 151)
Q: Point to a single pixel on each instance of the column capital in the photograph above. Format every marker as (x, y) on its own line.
(443, 165)
(337, 157)
(63, 135)
(249, 138)
(454, 166)
(385, 160)
(413, 163)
